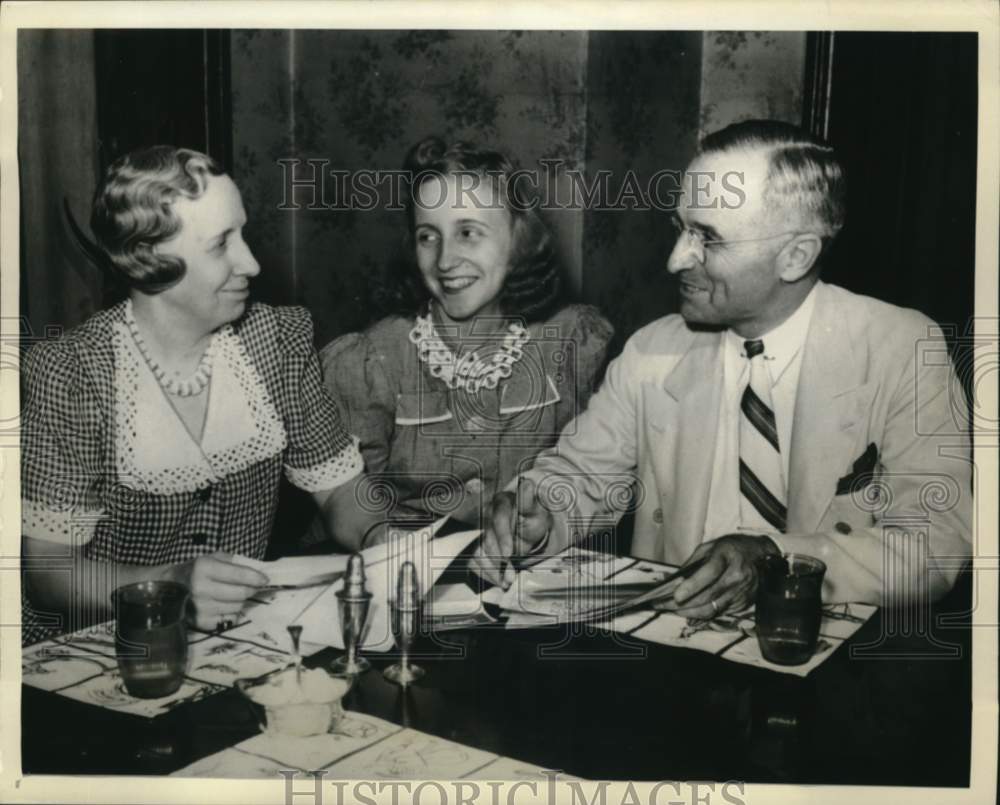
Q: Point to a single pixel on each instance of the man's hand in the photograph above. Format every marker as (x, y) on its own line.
(515, 525)
(219, 587)
(727, 581)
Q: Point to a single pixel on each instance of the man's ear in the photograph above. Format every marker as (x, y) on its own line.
(799, 255)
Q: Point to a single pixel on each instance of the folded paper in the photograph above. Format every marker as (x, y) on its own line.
(318, 614)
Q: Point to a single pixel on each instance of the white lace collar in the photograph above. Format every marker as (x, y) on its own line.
(153, 448)
(468, 372)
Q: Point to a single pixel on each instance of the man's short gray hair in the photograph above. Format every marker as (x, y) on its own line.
(804, 173)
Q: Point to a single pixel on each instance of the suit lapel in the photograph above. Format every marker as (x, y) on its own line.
(693, 392)
(830, 404)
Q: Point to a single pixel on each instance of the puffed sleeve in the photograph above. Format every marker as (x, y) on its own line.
(356, 378)
(60, 448)
(321, 454)
(592, 335)
(589, 333)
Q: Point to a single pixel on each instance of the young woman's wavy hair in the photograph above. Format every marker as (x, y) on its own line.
(532, 289)
(133, 211)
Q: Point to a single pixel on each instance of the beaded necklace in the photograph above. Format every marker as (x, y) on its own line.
(192, 386)
(469, 372)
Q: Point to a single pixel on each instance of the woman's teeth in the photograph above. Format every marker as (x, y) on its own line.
(457, 284)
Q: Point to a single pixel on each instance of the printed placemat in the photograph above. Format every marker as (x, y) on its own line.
(82, 666)
(363, 747)
(593, 577)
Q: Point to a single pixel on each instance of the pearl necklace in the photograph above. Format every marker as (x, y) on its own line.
(470, 372)
(191, 387)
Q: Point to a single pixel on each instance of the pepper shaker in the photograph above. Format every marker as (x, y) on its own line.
(353, 602)
(405, 611)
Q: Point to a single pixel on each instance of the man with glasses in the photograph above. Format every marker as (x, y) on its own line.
(774, 413)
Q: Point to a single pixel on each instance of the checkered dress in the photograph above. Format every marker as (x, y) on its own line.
(72, 490)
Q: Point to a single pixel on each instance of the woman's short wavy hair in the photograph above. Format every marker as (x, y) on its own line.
(532, 289)
(133, 211)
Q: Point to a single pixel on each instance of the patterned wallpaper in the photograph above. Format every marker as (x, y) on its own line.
(611, 101)
(596, 101)
(751, 74)
(359, 100)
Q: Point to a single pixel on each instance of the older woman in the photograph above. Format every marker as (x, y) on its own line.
(155, 434)
(482, 364)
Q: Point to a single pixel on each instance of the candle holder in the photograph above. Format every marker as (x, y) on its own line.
(353, 602)
(405, 612)
(295, 632)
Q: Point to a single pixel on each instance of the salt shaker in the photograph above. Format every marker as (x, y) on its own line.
(353, 602)
(405, 612)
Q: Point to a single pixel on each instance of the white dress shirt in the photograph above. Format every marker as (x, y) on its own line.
(783, 353)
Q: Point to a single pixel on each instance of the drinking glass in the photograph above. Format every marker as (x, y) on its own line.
(151, 637)
(789, 607)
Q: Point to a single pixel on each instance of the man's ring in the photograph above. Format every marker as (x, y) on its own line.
(715, 606)
(227, 623)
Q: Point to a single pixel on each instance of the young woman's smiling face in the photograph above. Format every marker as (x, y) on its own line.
(464, 239)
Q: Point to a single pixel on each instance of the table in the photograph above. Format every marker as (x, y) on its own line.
(602, 706)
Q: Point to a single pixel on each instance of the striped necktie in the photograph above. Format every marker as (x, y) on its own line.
(762, 482)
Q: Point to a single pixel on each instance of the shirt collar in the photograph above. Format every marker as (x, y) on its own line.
(782, 344)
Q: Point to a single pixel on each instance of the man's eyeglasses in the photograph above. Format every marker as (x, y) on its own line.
(697, 238)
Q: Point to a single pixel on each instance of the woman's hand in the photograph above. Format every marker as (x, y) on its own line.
(218, 586)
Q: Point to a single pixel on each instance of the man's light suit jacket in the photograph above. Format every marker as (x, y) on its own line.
(879, 482)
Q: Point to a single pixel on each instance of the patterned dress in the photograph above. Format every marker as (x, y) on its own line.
(422, 441)
(108, 467)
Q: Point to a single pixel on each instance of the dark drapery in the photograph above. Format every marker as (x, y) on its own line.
(57, 158)
(902, 116)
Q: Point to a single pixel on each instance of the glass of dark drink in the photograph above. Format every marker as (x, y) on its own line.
(151, 637)
(789, 607)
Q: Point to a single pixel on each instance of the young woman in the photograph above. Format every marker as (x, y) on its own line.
(481, 363)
